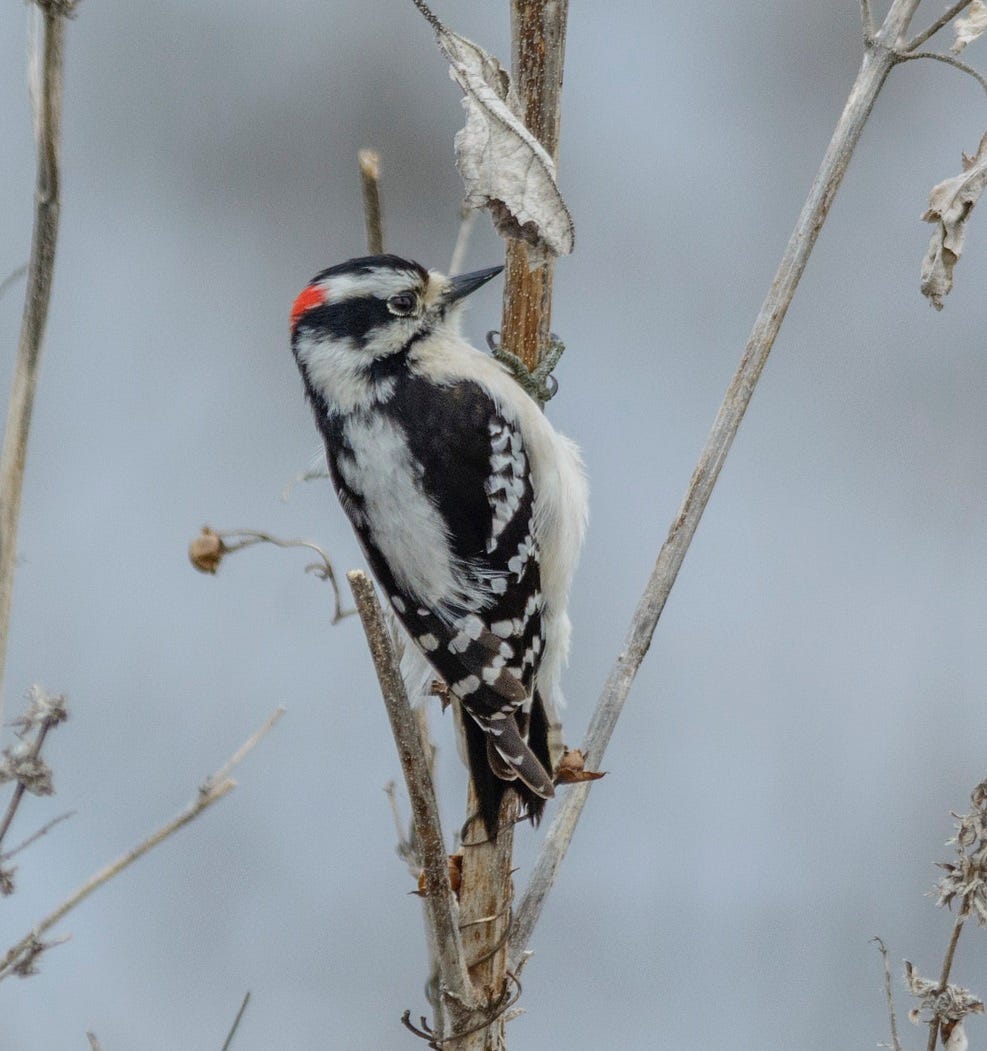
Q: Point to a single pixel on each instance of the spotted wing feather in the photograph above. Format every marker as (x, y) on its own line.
(486, 643)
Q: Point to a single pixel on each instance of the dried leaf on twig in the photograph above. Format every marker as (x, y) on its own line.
(504, 167)
(571, 769)
(970, 26)
(950, 204)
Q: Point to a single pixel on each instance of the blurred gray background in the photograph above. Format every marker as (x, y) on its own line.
(814, 703)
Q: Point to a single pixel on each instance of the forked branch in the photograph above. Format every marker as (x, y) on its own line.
(875, 66)
(21, 958)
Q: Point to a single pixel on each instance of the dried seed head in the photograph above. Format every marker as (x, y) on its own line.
(948, 1005)
(966, 876)
(206, 551)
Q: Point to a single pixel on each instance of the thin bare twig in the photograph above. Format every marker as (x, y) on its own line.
(467, 219)
(310, 475)
(457, 989)
(948, 60)
(944, 19)
(7, 855)
(9, 281)
(372, 211)
(889, 995)
(54, 714)
(228, 1042)
(94, 1044)
(210, 546)
(875, 66)
(867, 20)
(40, 271)
(211, 791)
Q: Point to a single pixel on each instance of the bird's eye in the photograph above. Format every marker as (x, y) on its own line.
(402, 304)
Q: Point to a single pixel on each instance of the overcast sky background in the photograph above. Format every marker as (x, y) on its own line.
(814, 702)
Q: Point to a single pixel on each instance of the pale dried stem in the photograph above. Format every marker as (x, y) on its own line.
(484, 918)
(211, 791)
(943, 20)
(11, 279)
(252, 537)
(949, 61)
(456, 989)
(875, 66)
(947, 966)
(20, 788)
(228, 1042)
(44, 830)
(40, 271)
(466, 222)
(373, 214)
(889, 996)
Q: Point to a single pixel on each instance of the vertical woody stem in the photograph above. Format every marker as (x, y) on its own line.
(538, 55)
(538, 52)
(40, 270)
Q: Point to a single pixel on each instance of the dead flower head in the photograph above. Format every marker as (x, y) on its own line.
(949, 1005)
(966, 876)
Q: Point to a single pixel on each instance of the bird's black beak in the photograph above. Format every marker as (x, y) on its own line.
(466, 283)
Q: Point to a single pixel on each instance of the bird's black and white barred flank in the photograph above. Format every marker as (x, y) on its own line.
(469, 506)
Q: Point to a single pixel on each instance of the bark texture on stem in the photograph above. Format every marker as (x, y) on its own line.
(878, 59)
(456, 989)
(484, 919)
(538, 53)
(537, 58)
(40, 270)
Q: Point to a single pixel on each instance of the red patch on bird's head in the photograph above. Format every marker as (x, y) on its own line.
(309, 297)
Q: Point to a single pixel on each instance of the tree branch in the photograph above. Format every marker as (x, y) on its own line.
(228, 1043)
(889, 996)
(944, 19)
(875, 66)
(947, 966)
(948, 60)
(40, 270)
(456, 988)
(20, 957)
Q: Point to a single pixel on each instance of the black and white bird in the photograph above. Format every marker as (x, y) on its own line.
(469, 506)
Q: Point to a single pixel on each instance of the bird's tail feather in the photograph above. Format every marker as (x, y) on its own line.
(506, 761)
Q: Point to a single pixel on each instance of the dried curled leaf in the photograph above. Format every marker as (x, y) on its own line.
(970, 26)
(206, 551)
(950, 204)
(504, 167)
(571, 769)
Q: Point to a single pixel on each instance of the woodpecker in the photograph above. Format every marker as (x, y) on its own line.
(469, 506)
